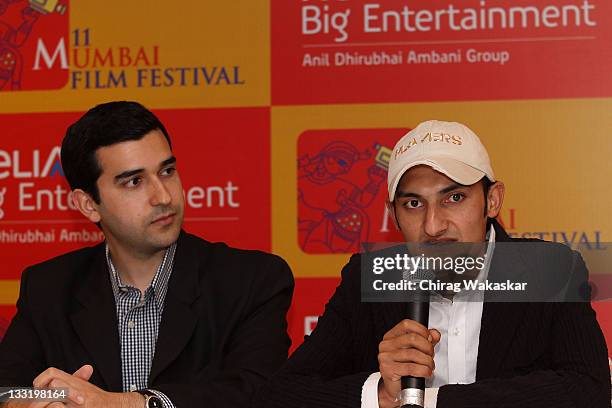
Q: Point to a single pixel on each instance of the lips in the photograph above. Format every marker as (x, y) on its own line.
(164, 219)
(441, 241)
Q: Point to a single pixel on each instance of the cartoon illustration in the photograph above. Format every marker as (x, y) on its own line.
(331, 206)
(13, 38)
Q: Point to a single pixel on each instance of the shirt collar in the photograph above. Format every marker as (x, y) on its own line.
(490, 235)
(159, 284)
(489, 254)
(482, 275)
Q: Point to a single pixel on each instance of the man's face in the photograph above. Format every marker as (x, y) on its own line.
(430, 207)
(141, 196)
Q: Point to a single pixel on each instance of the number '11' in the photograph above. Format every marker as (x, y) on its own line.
(77, 37)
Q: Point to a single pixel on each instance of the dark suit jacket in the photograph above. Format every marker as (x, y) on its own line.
(222, 332)
(529, 355)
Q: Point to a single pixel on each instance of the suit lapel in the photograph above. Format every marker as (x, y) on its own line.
(500, 320)
(95, 321)
(178, 320)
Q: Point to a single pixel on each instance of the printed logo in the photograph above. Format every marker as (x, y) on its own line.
(139, 66)
(39, 50)
(510, 220)
(33, 44)
(395, 50)
(342, 189)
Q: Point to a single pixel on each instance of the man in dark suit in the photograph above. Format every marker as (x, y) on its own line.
(154, 316)
(474, 353)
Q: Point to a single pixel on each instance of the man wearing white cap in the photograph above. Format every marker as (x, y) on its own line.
(474, 354)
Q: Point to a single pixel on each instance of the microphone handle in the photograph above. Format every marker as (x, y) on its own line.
(413, 388)
(410, 396)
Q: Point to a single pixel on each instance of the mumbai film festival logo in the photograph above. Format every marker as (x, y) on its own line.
(33, 41)
(40, 51)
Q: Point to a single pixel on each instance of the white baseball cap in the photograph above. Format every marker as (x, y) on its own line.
(448, 147)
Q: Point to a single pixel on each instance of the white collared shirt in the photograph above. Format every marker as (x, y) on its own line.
(458, 321)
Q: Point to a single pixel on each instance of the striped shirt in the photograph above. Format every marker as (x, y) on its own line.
(138, 318)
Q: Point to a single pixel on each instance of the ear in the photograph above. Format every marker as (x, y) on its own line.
(495, 198)
(86, 205)
(391, 209)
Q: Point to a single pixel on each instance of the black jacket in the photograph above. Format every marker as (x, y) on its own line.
(222, 332)
(529, 355)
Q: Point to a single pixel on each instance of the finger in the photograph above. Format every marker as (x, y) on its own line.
(412, 356)
(435, 336)
(394, 372)
(42, 404)
(405, 356)
(385, 346)
(84, 372)
(413, 340)
(71, 393)
(46, 376)
(407, 326)
(56, 404)
(56, 378)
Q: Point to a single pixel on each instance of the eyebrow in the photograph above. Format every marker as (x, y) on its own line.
(447, 189)
(130, 173)
(168, 161)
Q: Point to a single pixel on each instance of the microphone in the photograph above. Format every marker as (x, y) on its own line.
(412, 392)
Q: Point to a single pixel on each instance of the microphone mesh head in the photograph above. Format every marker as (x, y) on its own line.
(419, 275)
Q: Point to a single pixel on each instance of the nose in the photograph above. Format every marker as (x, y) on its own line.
(435, 222)
(159, 193)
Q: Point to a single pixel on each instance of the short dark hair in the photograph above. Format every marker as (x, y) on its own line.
(103, 125)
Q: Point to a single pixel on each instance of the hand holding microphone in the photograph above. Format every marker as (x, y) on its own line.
(406, 350)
